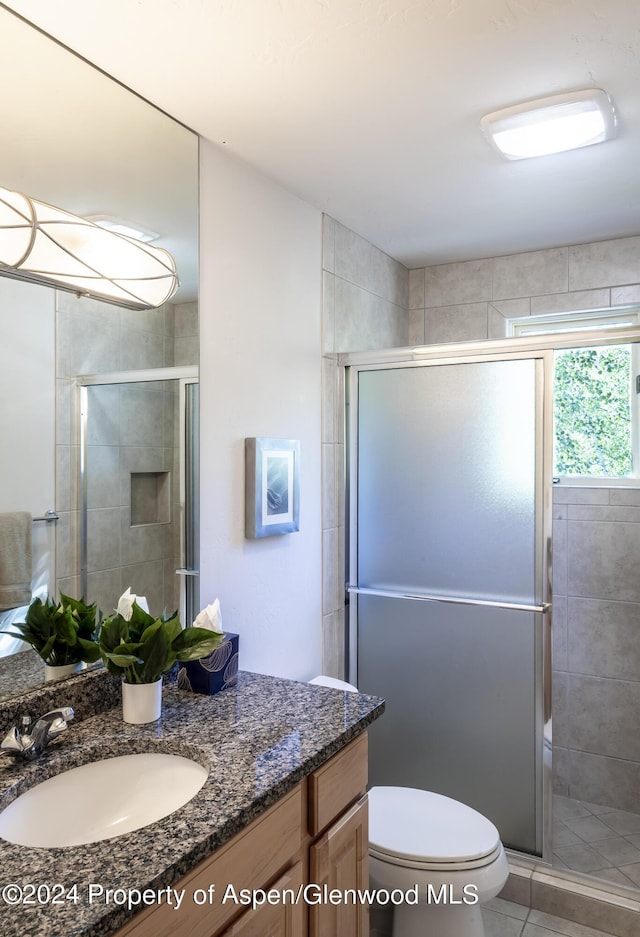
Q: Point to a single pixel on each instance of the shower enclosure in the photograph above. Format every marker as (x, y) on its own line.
(449, 486)
(139, 488)
(449, 587)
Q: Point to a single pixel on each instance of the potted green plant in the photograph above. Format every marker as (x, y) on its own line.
(140, 648)
(63, 633)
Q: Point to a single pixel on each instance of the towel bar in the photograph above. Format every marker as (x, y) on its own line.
(48, 516)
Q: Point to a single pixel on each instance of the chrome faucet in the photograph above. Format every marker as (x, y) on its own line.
(29, 742)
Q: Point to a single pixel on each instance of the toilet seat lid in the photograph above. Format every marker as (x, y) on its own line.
(409, 825)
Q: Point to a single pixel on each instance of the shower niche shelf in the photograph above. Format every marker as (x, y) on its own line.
(150, 498)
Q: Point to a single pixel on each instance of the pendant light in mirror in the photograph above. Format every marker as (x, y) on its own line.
(50, 246)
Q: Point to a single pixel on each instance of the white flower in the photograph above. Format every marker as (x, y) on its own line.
(125, 604)
(210, 618)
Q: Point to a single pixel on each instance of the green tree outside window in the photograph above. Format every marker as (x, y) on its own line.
(592, 412)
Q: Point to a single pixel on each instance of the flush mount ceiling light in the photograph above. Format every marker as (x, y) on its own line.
(551, 125)
(52, 247)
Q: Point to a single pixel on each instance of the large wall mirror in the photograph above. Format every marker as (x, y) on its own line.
(76, 139)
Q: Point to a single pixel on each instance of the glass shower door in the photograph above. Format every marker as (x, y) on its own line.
(448, 581)
(139, 489)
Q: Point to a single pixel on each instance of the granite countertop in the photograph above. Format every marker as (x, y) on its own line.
(20, 673)
(24, 673)
(257, 739)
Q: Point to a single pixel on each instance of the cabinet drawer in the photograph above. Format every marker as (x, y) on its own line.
(285, 919)
(338, 783)
(252, 859)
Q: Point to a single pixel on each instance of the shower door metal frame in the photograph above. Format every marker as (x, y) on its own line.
(459, 354)
(190, 499)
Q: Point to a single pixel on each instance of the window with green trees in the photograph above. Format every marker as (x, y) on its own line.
(593, 411)
(596, 403)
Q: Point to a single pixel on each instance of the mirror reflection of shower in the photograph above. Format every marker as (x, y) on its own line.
(139, 487)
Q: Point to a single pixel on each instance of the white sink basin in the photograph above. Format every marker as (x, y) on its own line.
(101, 800)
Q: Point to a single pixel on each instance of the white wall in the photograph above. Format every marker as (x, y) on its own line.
(260, 366)
(27, 401)
(28, 415)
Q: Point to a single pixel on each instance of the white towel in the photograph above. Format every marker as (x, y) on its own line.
(15, 559)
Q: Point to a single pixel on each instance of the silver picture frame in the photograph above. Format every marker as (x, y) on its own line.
(272, 486)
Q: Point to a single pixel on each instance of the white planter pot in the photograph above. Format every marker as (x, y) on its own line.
(142, 702)
(61, 670)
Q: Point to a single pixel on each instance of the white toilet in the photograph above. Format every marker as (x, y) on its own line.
(449, 851)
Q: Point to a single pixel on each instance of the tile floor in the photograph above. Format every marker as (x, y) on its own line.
(597, 840)
(587, 838)
(505, 919)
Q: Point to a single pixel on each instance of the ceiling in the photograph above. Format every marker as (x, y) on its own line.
(370, 109)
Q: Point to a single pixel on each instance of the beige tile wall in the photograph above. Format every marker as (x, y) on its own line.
(471, 300)
(365, 298)
(596, 531)
(182, 335)
(596, 629)
(132, 430)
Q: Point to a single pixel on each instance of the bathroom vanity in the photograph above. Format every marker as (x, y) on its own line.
(283, 807)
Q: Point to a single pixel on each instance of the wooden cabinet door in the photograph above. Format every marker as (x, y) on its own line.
(340, 860)
(285, 918)
(253, 858)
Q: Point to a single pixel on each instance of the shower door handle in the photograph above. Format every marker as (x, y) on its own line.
(183, 571)
(449, 599)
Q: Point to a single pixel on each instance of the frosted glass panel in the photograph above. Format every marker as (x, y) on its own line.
(447, 489)
(446, 479)
(459, 687)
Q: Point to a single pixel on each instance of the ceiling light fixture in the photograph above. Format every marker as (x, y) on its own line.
(52, 247)
(552, 125)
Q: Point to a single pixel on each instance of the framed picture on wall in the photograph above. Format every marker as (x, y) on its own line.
(272, 486)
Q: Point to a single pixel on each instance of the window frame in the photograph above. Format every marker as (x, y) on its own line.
(592, 328)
